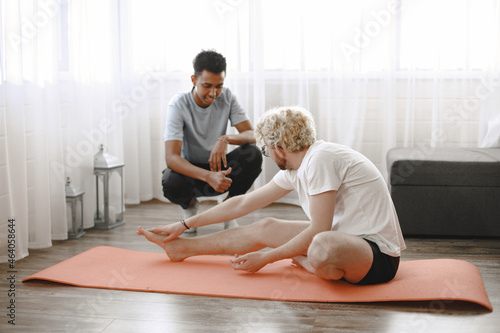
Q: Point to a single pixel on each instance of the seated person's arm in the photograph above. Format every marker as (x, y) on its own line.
(322, 207)
(230, 209)
(240, 205)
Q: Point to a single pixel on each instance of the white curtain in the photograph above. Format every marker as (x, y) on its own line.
(60, 75)
(32, 200)
(375, 74)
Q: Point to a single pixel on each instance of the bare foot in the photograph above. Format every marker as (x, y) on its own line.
(158, 240)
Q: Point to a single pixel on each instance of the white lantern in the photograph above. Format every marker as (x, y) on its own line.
(74, 211)
(108, 171)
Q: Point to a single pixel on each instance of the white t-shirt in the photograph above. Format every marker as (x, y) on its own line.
(199, 128)
(364, 206)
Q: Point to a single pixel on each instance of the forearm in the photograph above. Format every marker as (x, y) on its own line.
(225, 211)
(322, 208)
(295, 247)
(184, 167)
(240, 138)
(239, 206)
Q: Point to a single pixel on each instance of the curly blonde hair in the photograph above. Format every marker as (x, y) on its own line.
(292, 128)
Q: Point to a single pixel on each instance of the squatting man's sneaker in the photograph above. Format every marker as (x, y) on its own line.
(191, 211)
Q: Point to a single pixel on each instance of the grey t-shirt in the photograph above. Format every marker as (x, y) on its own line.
(199, 128)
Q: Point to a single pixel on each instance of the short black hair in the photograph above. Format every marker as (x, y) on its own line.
(209, 60)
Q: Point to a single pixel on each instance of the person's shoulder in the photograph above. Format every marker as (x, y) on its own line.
(227, 92)
(329, 151)
(321, 145)
(226, 95)
(182, 97)
(225, 99)
(323, 151)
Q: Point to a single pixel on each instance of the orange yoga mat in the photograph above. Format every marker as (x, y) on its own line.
(115, 268)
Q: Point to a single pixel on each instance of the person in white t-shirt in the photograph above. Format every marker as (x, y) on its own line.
(196, 143)
(353, 231)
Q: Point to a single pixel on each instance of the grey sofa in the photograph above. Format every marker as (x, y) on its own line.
(446, 191)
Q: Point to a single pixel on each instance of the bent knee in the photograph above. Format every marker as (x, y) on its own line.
(325, 248)
(265, 227)
(265, 224)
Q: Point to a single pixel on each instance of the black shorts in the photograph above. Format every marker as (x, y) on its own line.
(384, 267)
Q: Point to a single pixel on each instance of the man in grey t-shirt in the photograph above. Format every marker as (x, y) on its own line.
(196, 142)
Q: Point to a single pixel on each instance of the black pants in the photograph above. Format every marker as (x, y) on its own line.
(245, 162)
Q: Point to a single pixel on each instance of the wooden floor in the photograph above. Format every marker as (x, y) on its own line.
(50, 307)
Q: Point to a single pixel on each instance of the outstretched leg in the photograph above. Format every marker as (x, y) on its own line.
(268, 232)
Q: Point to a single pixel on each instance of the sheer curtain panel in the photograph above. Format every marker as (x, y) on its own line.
(375, 74)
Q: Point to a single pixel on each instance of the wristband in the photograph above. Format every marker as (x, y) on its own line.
(223, 139)
(184, 224)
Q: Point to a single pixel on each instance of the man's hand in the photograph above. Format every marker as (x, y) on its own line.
(217, 155)
(219, 181)
(250, 262)
(172, 231)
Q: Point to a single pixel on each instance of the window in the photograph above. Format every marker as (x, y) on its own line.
(447, 34)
